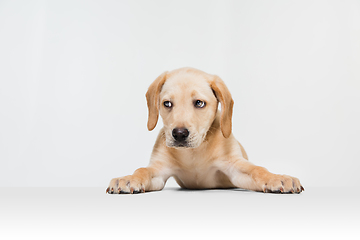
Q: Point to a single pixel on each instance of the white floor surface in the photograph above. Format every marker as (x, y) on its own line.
(89, 213)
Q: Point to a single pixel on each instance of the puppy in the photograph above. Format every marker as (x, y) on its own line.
(196, 145)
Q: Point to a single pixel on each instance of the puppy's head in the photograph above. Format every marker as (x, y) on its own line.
(187, 100)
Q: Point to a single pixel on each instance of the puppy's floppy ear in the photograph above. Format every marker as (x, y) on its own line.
(152, 97)
(223, 95)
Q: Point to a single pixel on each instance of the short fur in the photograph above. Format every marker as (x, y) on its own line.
(212, 157)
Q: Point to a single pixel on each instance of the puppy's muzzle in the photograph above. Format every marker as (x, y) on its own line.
(180, 135)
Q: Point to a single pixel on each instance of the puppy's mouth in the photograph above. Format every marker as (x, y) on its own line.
(181, 145)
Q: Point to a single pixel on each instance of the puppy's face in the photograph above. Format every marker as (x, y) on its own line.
(187, 100)
(187, 106)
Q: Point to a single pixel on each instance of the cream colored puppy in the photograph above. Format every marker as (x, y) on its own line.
(196, 145)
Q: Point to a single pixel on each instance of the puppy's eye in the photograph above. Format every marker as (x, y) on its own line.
(168, 104)
(199, 104)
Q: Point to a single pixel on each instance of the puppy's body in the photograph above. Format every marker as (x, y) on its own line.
(195, 168)
(196, 145)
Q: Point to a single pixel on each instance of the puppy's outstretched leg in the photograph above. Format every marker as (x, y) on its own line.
(246, 175)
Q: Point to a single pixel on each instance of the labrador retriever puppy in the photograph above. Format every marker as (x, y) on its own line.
(196, 145)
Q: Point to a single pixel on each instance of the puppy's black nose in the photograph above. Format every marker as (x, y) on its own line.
(180, 134)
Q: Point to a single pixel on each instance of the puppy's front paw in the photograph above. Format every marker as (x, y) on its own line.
(127, 184)
(282, 184)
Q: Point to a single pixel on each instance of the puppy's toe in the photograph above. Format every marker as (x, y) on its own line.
(125, 185)
(282, 184)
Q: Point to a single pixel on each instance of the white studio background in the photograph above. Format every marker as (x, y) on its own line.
(73, 78)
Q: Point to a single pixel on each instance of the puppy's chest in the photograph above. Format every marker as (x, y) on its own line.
(197, 178)
(196, 171)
